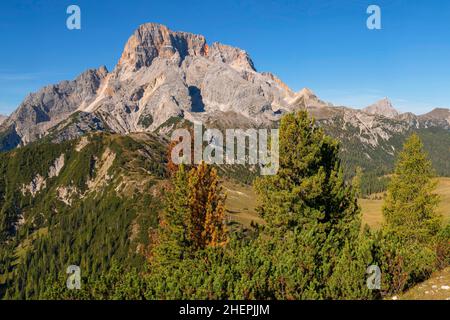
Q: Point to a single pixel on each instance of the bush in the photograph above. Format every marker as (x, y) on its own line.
(443, 248)
(404, 264)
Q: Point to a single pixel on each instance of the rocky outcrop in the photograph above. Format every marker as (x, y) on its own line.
(67, 194)
(102, 167)
(439, 117)
(37, 184)
(151, 41)
(56, 167)
(437, 114)
(9, 138)
(306, 98)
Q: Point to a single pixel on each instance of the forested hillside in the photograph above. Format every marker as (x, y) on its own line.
(140, 227)
(85, 202)
(378, 160)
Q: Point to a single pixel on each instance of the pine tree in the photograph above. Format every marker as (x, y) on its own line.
(172, 241)
(309, 188)
(410, 206)
(408, 255)
(192, 229)
(357, 181)
(311, 213)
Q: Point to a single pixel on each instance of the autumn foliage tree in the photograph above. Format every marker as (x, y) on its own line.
(206, 208)
(194, 217)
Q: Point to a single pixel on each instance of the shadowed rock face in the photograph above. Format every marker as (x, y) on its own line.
(9, 139)
(197, 99)
(164, 74)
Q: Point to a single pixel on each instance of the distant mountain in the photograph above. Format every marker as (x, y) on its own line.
(2, 118)
(164, 77)
(437, 114)
(307, 98)
(383, 108)
(162, 74)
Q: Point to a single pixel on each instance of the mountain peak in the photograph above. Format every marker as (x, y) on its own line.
(152, 40)
(307, 98)
(437, 114)
(306, 92)
(233, 56)
(382, 107)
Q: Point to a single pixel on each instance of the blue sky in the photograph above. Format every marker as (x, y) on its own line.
(320, 44)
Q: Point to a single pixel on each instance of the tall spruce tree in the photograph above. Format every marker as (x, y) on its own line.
(410, 206)
(173, 240)
(408, 254)
(311, 213)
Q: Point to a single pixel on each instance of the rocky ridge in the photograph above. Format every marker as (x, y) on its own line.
(164, 75)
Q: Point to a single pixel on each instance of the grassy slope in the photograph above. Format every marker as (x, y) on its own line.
(241, 204)
(241, 207)
(372, 209)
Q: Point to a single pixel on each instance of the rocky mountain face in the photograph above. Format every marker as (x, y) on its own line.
(44, 109)
(165, 76)
(161, 75)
